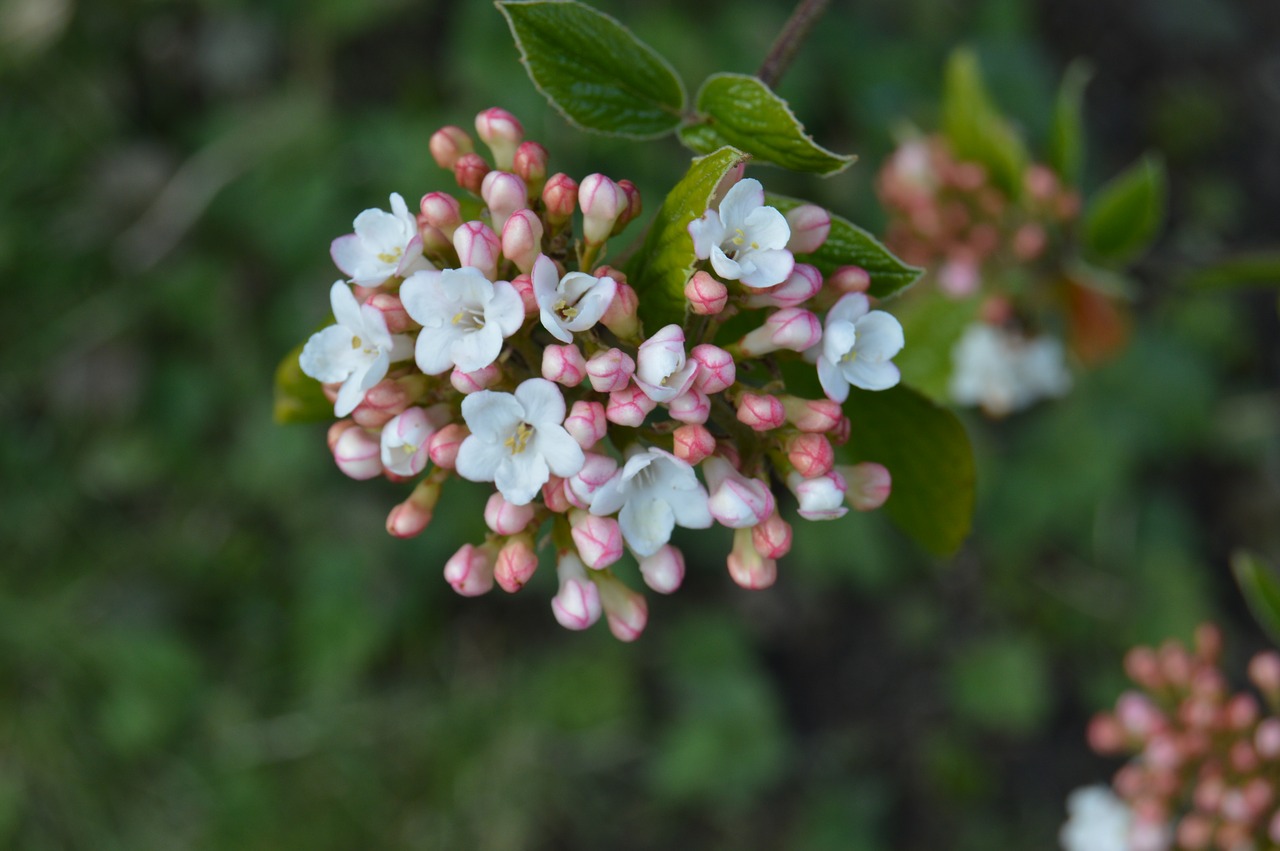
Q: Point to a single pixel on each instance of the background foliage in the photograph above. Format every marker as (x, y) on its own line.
(206, 641)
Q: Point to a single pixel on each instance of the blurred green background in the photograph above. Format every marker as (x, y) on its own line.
(207, 640)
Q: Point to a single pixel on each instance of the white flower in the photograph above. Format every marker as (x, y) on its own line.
(405, 436)
(856, 348)
(1096, 821)
(820, 498)
(356, 351)
(572, 303)
(745, 241)
(1004, 372)
(517, 441)
(655, 490)
(464, 317)
(663, 372)
(384, 244)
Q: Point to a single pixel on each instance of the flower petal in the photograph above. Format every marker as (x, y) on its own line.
(434, 349)
(420, 295)
(646, 524)
(879, 336)
(850, 308)
(473, 350)
(706, 232)
(745, 196)
(328, 355)
(520, 477)
(541, 401)
(492, 415)
(346, 310)
(724, 266)
(870, 375)
(833, 382)
(479, 459)
(562, 453)
(505, 309)
(767, 228)
(766, 268)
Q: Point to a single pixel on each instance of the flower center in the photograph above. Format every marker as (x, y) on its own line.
(849, 356)
(391, 256)
(740, 238)
(470, 317)
(519, 439)
(565, 310)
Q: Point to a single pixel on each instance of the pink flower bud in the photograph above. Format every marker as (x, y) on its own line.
(1264, 670)
(500, 130)
(358, 454)
(563, 365)
(504, 193)
(772, 538)
(336, 431)
(747, 567)
(555, 495)
(602, 202)
(577, 604)
(620, 318)
(434, 242)
(626, 610)
(1137, 715)
(505, 518)
(958, 277)
(664, 570)
(692, 406)
(810, 225)
(607, 271)
(1040, 182)
(693, 442)
(441, 211)
(1028, 242)
(811, 454)
(598, 539)
(448, 144)
(633, 209)
(730, 179)
(597, 469)
(443, 446)
(629, 406)
(478, 246)
(716, 369)
(470, 570)
(1207, 640)
(1105, 735)
(1241, 712)
(802, 284)
(840, 434)
(849, 279)
(524, 287)
(1267, 739)
(586, 423)
(393, 312)
(1141, 664)
(1195, 832)
(792, 328)
(610, 370)
(736, 501)
(705, 294)
(813, 415)
(517, 562)
(869, 485)
(662, 370)
(480, 379)
(412, 516)
(531, 166)
(560, 196)
(761, 412)
(522, 240)
(821, 498)
(381, 403)
(469, 171)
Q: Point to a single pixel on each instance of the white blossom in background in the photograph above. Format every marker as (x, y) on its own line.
(1096, 821)
(652, 493)
(1002, 371)
(356, 351)
(857, 348)
(464, 318)
(517, 440)
(745, 240)
(384, 244)
(573, 303)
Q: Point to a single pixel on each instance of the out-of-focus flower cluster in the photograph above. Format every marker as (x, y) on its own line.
(495, 345)
(1204, 770)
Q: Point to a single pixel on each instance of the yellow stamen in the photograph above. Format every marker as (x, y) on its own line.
(849, 356)
(519, 440)
(740, 238)
(457, 317)
(356, 342)
(564, 310)
(391, 256)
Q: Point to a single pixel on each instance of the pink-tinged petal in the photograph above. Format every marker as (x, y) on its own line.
(850, 308)
(562, 453)
(833, 382)
(879, 336)
(646, 524)
(745, 196)
(725, 267)
(706, 233)
(434, 349)
(870, 375)
(768, 228)
(769, 267)
(346, 253)
(478, 459)
(577, 606)
(520, 477)
(541, 401)
(492, 415)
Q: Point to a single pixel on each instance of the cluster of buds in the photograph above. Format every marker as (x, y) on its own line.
(1205, 763)
(500, 349)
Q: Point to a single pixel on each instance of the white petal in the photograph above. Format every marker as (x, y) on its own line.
(610, 496)
(725, 267)
(505, 309)
(707, 232)
(691, 507)
(380, 231)
(328, 355)
(545, 281)
(421, 297)
(646, 525)
(400, 209)
(542, 402)
(492, 415)
(401, 348)
(766, 227)
(767, 267)
(346, 310)
(434, 349)
(478, 459)
(879, 336)
(838, 340)
(347, 253)
(561, 452)
(833, 382)
(850, 308)
(552, 323)
(349, 396)
(473, 350)
(870, 375)
(520, 477)
(745, 196)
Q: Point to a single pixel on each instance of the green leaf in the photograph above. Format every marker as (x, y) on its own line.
(928, 456)
(739, 110)
(976, 129)
(850, 245)
(663, 265)
(942, 322)
(1066, 136)
(1257, 269)
(594, 70)
(1261, 589)
(299, 397)
(1126, 214)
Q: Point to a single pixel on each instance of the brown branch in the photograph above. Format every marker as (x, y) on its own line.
(793, 32)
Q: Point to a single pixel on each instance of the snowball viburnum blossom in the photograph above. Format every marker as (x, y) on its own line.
(856, 349)
(575, 302)
(384, 244)
(464, 318)
(518, 440)
(1097, 821)
(356, 351)
(744, 240)
(655, 490)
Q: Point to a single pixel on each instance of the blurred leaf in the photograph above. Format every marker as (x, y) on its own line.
(849, 245)
(1261, 589)
(662, 267)
(742, 111)
(1125, 216)
(976, 129)
(1002, 684)
(299, 398)
(1258, 269)
(1066, 136)
(940, 321)
(929, 457)
(594, 70)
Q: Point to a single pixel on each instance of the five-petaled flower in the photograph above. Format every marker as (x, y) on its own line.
(464, 318)
(745, 240)
(384, 244)
(518, 440)
(857, 347)
(655, 490)
(573, 303)
(356, 351)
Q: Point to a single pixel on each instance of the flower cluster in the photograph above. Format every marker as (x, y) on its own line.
(1205, 763)
(499, 349)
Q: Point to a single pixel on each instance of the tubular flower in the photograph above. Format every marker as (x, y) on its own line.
(857, 347)
(744, 240)
(573, 303)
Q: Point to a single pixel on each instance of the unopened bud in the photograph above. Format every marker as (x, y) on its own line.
(792, 328)
(629, 406)
(577, 604)
(692, 406)
(563, 365)
(1267, 739)
(820, 498)
(500, 130)
(814, 415)
(869, 485)
(598, 539)
(470, 570)
(504, 193)
(633, 208)
(693, 443)
(706, 295)
(469, 172)
(531, 166)
(958, 277)
(1264, 670)
(747, 566)
(586, 423)
(1105, 735)
(664, 570)
(602, 202)
(840, 434)
(441, 211)
(516, 563)
(412, 516)
(810, 225)
(358, 454)
(478, 246)
(810, 454)
(716, 369)
(555, 495)
(581, 487)
(524, 288)
(735, 501)
(381, 403)
(448, 144)
(560, 196)
(761, 412)
(506, 518)
(473, 382)
(443, 446)
(802, 284)
(610, 370)
(849, 279)
(621, 317)
(772, 537)
(625, 609)
(393, 312)
(522, 240)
